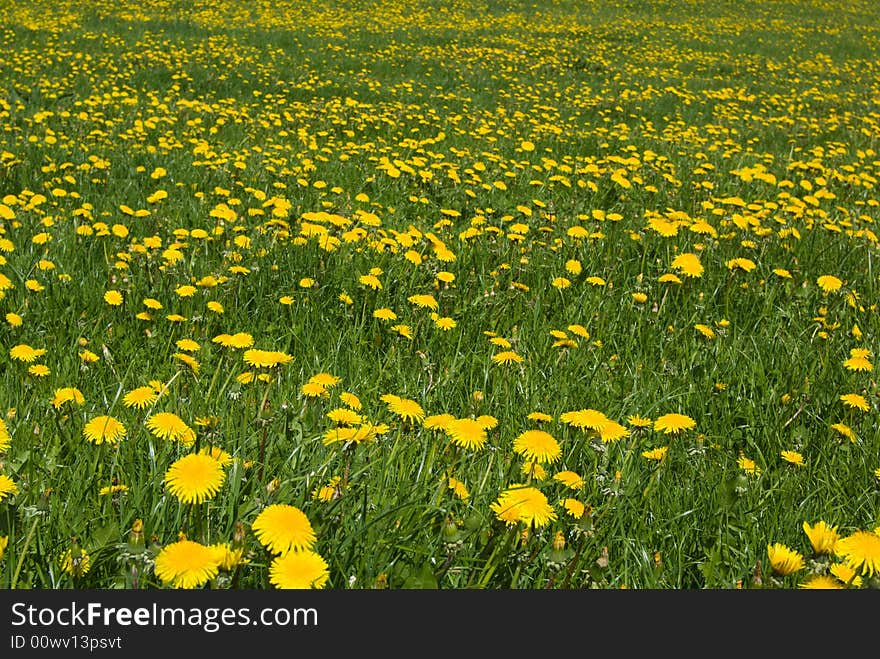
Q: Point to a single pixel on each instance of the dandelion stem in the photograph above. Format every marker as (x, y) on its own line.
(27, 543)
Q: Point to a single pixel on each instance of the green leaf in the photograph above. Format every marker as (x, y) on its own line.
(423, 579)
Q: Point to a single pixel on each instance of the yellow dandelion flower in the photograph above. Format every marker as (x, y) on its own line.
(458, 488)
(656, 454)
(25, 353)
(829, 283)
(188, 564)
(350, 400)
(523, 504)
(674, 423)
(507, 357)
(570, 479)
(574, 508)
(7, 487)
(314, 390)
(325, 379)
(140, 397)
(281, 528)
(538, 446)
(855, 401)
(784, 560)
(66, 395)
(821, 582)
(688, 264)
(299, 569)
(822, 537)
(466, 433)
(169, 426)
(76, 562)
(384, 314)
(424, 301)
(103, 429)
(861, 552)
(194, 478)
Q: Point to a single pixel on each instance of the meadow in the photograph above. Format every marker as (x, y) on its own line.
(478, 294)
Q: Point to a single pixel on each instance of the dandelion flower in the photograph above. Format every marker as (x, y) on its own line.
(822, 537)
(344, 416)
(7, 487)
(466, 433)
(370, 281)
(829, 283)
(674, 423)
(188, 345)
(140, 397)
(437, 421)
(538, 446)
(5, 438)
(314, 390)
(588, 419)
(821, 582)
(113, 298)
(783, 560)
(104, 429)
(638, 421)
(523, 504)
(404, 330)
(861, 551)
(705, 330)
(846, 574)
(855, 401)
(4, 541)
(458, 488)
(793, 457)
(282, 528)
(75, 565)
(188, 564)
(350, 400)
(299, 569)
(424, 301)
(539, 416)
(25, 353)
(67, 395)
(326, 379)
(571, 479)
(195, 478)
(845, 431)
(611, 431)
(507, 357)
(858, 360)
(656, 454)
(408, 410)
(238, 340)
(688, 264)
(384, 314)
(574, 507)
(266, 358)
(748, 465)
(445, 323)
(169, 426)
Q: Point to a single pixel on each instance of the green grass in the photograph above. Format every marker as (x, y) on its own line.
(245, 105)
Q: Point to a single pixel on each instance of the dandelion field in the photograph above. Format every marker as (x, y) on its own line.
(439, 294)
